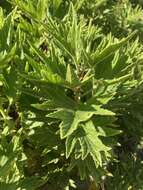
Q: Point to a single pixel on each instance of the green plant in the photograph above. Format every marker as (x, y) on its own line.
(69, 91)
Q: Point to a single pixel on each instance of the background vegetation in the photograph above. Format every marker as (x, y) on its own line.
(71, 88)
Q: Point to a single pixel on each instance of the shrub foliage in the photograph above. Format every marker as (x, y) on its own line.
(71, 95)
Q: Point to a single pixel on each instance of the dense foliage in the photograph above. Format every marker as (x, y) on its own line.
(71, 95)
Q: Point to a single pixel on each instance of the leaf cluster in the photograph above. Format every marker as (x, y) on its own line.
(70, 94)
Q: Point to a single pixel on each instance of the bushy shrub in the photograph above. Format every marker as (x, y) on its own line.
(71, 95)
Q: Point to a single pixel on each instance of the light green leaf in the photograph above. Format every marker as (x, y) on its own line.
(70, 144)
(69, 121)
(84, 146)
(108, 131)
(56, 3)
(44, 106)
(95, 145)
(88, 138)
(110, 49)
(5, 59)
(41, 9)
(71, 118)
(1, 18)
(71, 76)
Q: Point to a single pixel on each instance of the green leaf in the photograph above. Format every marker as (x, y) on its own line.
(56, 3)
(108, 132)
(84, 146)
(69, 121)
(95, 145)
(42, 5)
(88, 138)
(7, 32)
(71, 118)
(45, 70)
(7, 186)
(110, 49)
(71, 141)
(30, 183)
(71, 76)
(1, 18)
(10, 84)
(78, 4)
(5, 59)
(5, 169)
(44, 106)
